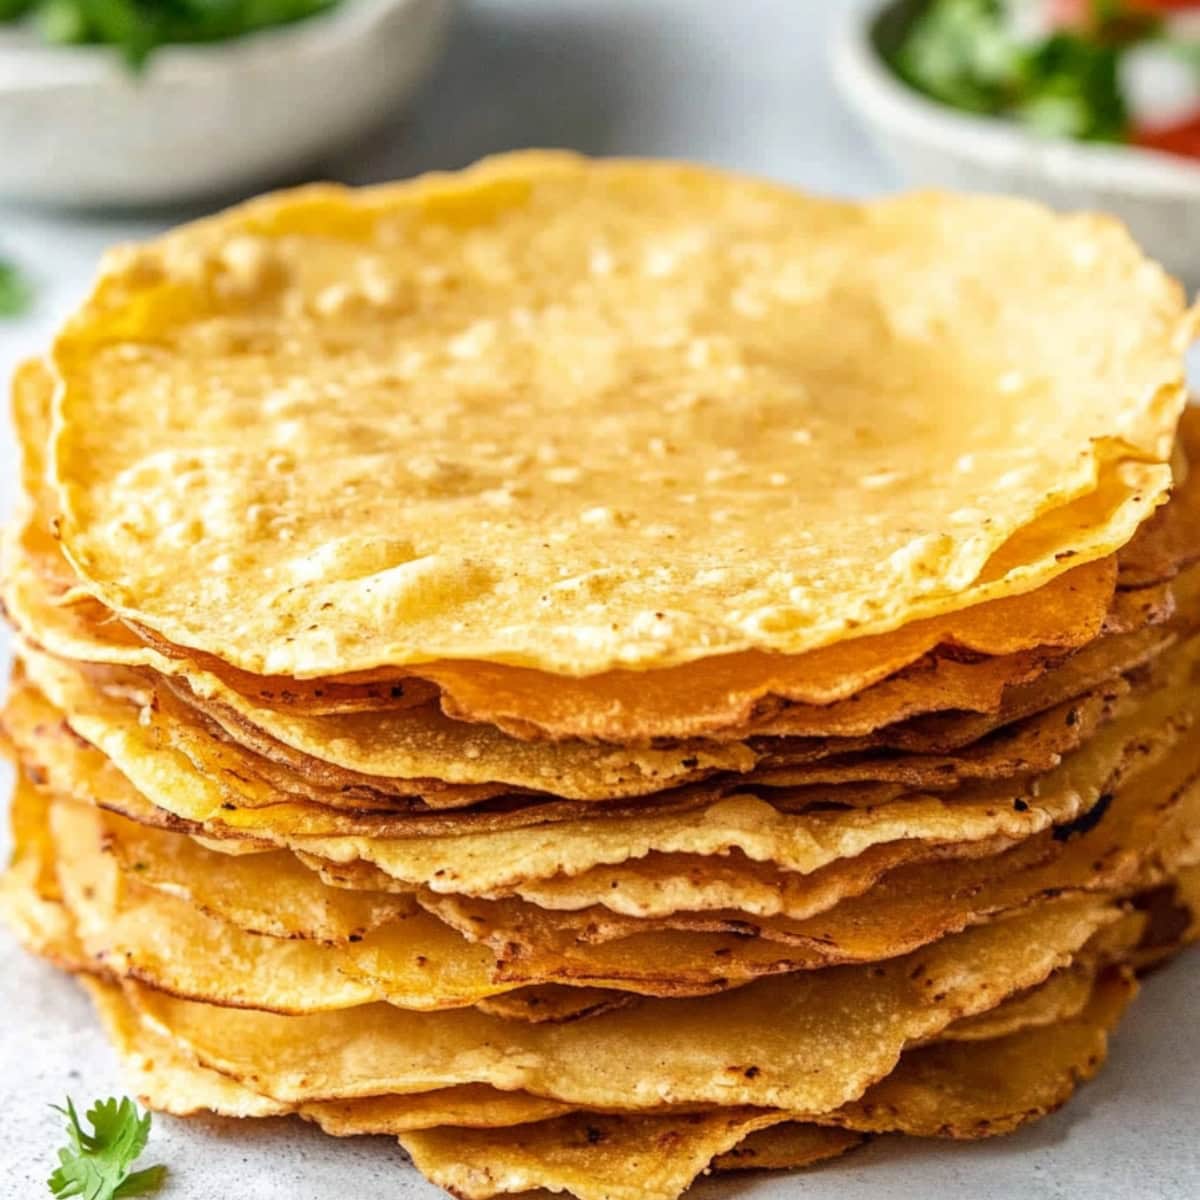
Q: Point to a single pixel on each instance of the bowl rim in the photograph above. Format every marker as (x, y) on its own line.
(870, 87)
(29, 65)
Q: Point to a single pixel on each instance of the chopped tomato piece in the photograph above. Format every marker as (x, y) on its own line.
(1082, 14)
(1068, 14)
(1179, 137)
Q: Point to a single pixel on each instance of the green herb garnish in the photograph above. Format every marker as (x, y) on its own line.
(99, 1165)
(965, 54)
(138, 27)
(15, 292)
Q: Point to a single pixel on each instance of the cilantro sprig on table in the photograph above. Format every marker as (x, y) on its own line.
(99, 1165)
(138, 27)
(965, 53)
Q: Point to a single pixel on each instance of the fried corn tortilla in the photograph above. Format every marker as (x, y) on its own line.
(136, 933)
(940, 1090)
(548, 1147)
(169, 1081)
(273, 894)
(742, 695)
(980, 1089)
(945, 685)
(480, 864)
(911, 908)
(77, 630)
(1145, 822)
(415, 962)
(37, 726)
(718, 303)
(162, 1076)
(590, 1156)
(369, 746)
(788, 1146)
(637, 773)
(269, 894)
(427, 749)
(927, 1084)
(766, 963)
(1147, 827)
(806, 842)
(661, 884)
(1063, 996)
(1047, 1069)
(793, 855)
(598, 1158)
(419, 742)
(853, 1021)
(210, 805)
(1034, 745)
(1168, 542)
(90, 885)
(716, 693)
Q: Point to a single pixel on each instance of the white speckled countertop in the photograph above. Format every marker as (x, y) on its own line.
(745, 86)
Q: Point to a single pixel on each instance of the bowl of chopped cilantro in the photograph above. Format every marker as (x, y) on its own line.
(135, 102)
(1079, 103)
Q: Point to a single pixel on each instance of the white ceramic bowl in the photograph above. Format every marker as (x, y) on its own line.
(1156, 195)
(77, 128)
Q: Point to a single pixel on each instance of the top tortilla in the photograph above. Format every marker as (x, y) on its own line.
(578, 415)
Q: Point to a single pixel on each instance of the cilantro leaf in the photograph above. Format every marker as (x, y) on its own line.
(961, 53)
(15, 292)
(967, 54)
(98, 1165)
(1071, 88)
(138, 27)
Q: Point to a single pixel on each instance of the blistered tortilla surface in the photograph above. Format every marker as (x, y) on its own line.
(582, 415)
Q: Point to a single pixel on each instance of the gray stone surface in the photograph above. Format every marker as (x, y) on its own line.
(744, 86)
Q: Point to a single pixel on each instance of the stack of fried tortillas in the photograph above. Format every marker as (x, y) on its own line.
(610, 671)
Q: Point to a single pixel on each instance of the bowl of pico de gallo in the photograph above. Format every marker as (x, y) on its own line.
(1079, 103)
